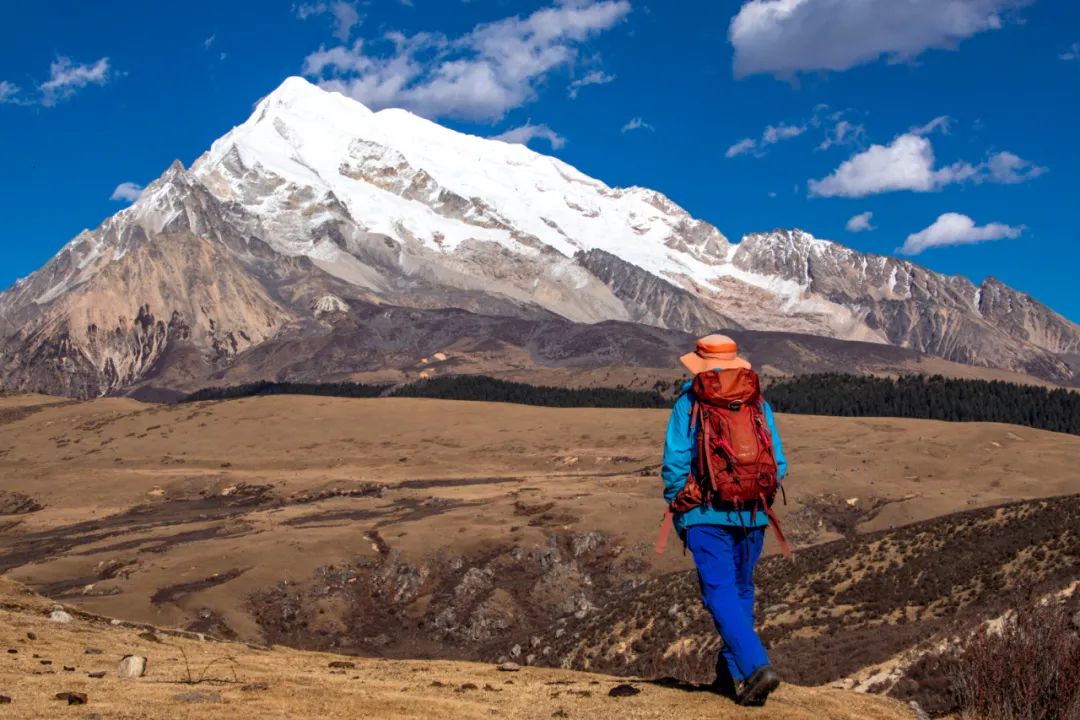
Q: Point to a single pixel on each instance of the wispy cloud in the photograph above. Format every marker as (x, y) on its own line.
(1073, 53)
(478, 76)
(127, 191)
(956, 229)
(637, 123)
(67, 77)
(209, 41)
(596, 77)
(771, 135)
(785, 37)
(344, 14)
(860, 223)
(524, 134)
(9, 93)
(908, 163)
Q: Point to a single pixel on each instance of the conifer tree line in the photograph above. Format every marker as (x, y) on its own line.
(916, 396)
(933, 398)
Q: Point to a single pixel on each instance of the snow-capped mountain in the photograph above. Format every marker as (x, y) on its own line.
(317, 204)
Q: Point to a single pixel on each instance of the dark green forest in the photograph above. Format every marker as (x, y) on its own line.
(481, 387)
(933, 398)
(265, 387)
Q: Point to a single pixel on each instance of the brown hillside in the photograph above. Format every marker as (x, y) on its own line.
(45, 658)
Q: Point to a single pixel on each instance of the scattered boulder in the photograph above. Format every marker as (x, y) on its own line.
(72, 698)
(97, 675)
(132, 666)
(61, 616)
(508, 667)
(623, 690)
(5, 700)
(149, 637)
(92, 651)
(31, 636)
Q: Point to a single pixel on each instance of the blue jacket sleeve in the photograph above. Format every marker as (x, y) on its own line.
(778, 446)
(678, 448)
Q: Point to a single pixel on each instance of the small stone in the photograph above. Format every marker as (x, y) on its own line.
(46, 662)
(341, 665)
(508, 667)
(97, 675)
(132, 666)
(198, 696)
(560, 713)
(92, 651)
(149, 637)
(72, 698)
(114, 622)
(468, 686)
(777, 608)
(31, 636)
(919, 712)
(5, 700)
(61, 616)
(12, 651)
(68, 668)
(623, 690)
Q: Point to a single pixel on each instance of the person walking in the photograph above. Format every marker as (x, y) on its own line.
(723, 463)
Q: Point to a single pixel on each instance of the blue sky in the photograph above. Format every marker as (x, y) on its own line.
(952, 122)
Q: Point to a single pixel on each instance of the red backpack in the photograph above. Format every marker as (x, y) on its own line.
(735, 468)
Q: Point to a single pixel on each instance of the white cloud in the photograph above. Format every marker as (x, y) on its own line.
(1009, 169)
(860, 223)
(596, 77)
(746, 145)
(127, 191)
(345, 15)
(1073, 53)
(771, 135)
(481, 75)
(956, 229)
(843, 132)
(941, 122)
(67, 77)
(784, 37)
(637, 123)
(528, 132)
(209, 41)
(908, 164)
(9, 92)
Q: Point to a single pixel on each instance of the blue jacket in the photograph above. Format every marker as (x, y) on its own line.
(679, 450)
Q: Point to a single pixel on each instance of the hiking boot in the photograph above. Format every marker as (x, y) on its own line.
(756, 689)
(724, 684)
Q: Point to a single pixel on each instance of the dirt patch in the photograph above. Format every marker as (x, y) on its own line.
(16, 503)
(172, 593)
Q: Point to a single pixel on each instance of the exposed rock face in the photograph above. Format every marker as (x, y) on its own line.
(316, 204)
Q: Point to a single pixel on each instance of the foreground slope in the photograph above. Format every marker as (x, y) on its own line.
(245, 683)
(405, 527)
(316, 208)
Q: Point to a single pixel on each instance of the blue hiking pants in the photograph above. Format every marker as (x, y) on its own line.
(725, 558)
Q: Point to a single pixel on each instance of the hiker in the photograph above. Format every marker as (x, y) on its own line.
(723, 463)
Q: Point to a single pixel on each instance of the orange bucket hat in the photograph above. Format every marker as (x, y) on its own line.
(714, 352)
